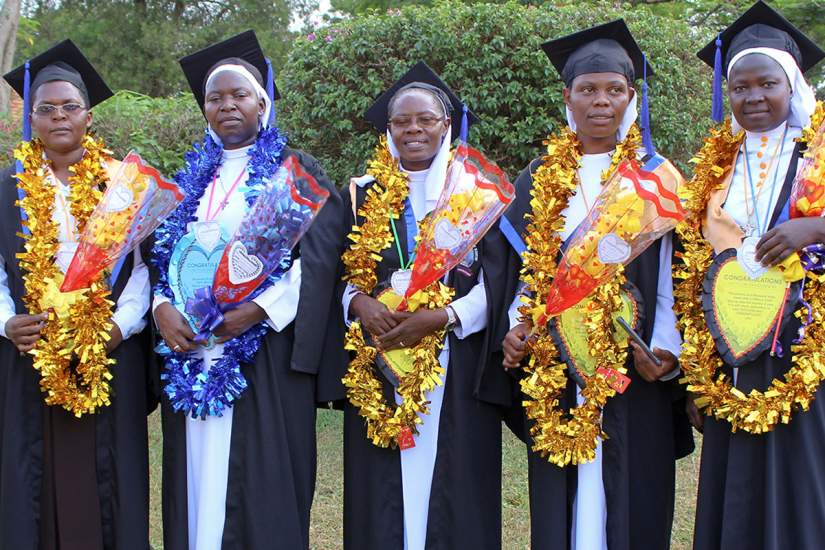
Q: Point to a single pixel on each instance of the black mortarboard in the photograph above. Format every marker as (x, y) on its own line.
(607, 48)
(197, 66)
(378, 113)
(759, 27)
(63, 61)
(763, 27)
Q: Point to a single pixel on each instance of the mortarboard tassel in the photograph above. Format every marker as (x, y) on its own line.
(718, 112)
(464, 125)
(27, 134)
(650, 150)
(270, 91)
(27, 123)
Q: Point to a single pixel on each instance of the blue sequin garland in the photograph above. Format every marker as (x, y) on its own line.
(188, 387)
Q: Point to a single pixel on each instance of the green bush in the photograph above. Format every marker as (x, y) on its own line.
(161, 130)
(490, 55)
(9, 136)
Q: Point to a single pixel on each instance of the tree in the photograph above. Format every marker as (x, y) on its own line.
(136, 43)
(359, 7)
(9, 21)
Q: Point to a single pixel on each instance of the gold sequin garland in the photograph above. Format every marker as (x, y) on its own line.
(81, 332)
(757, 412)
(385, 201)
(561, 437)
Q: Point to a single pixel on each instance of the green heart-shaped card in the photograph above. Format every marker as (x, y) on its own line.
(570, 334)
(742, 308)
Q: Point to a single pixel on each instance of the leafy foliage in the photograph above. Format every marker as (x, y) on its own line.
(136, 43)
(161, 130)
(490, 55)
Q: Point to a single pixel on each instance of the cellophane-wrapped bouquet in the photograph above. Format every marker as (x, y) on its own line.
(135, 203)
(637, 205)
(261, 247)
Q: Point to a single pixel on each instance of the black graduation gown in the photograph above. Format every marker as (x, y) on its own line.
(465, 500)
(764, 491)
(272, 456)
(120, 434)
(646, 425)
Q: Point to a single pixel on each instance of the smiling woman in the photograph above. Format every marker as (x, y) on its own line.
(418, 123)
(422, 429)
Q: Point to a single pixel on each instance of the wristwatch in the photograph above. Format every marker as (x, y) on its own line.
(452, 319)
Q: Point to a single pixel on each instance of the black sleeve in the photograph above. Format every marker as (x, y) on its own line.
(320, 252)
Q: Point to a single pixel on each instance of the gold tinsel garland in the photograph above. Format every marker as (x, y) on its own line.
(757, 412)
(385, 201)
(566, 438)
(78, 327)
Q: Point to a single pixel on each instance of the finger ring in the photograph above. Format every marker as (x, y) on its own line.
(176, 348)
(401, 343)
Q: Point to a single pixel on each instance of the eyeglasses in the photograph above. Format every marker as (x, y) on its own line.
(425, 121)
(46, 109)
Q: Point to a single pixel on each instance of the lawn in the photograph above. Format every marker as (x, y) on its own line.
(326, 530)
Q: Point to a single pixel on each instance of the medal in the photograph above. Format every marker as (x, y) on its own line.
(400, 281)
(746, 255)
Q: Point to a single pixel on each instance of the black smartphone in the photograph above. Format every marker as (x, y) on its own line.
(638, 339)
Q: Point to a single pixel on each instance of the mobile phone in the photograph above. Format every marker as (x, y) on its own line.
(638, 339)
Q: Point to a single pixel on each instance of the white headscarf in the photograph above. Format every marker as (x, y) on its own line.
(803, 100)
(437, 173)
(630, 116)
(244, 72)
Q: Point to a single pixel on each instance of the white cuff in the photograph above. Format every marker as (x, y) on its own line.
(671, 375)
(280, 301)
(513, 312)
(471, 310)
(349, 293)
(4, 318)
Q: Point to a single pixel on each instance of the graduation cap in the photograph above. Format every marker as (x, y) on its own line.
(607, 48)
(197, 66)
(378, 113)
(64, 62)
(759, 27)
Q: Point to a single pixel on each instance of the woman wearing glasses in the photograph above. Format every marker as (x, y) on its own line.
(73, 376)
(422, 432)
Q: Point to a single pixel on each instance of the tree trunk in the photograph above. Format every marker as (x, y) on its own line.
(9, 20)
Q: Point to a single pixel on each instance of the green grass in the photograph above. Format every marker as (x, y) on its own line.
(326, 529)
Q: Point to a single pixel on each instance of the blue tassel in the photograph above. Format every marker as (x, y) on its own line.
(464, 125)
(646, 137)
(27, 123)
(27, 136)
(270, 91)
(718, 112)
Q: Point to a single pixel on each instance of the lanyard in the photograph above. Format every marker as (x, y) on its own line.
(221, 205)
(412, 232)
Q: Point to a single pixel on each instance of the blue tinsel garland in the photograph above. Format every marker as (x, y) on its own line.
(187, 386)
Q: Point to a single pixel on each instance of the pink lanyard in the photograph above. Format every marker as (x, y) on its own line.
(221, 205)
